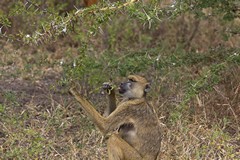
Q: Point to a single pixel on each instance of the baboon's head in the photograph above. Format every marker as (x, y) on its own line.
(135, 87)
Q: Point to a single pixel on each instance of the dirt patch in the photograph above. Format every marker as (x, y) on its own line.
(43, 92)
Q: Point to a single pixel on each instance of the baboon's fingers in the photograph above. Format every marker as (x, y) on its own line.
(72, 90)
(107, 85)
(79, 98)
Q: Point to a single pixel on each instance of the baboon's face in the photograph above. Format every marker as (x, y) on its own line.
(132, 88)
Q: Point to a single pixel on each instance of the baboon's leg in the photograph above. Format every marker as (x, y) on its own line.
(118, 149)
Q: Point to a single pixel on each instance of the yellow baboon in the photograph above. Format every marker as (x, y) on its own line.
(133, 125)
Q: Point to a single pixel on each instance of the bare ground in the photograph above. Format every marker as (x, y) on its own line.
(69, 136)
(38, 92)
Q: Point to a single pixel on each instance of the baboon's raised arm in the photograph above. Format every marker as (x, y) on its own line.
(97, 119)
(106, 124)
(109, 88)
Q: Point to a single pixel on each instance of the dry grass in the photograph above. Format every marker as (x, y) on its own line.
(205, 134)
(39, 119)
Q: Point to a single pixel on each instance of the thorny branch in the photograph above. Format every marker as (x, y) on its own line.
(55, 28)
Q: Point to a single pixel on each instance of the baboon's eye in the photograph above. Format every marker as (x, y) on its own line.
(131, 80)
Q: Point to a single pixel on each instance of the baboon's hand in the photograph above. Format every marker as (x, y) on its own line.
(107, 86)
(72, 90)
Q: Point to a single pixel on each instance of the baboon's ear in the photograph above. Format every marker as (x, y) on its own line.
(147, 88)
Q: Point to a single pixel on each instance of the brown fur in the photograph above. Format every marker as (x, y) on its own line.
(134, 127)
(110, 90)
(88, 3)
